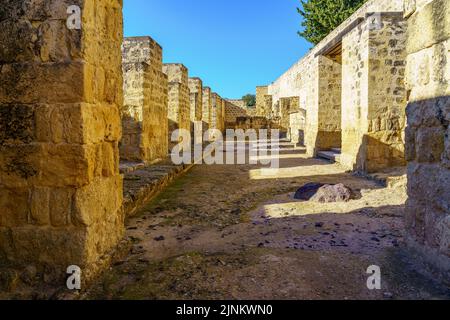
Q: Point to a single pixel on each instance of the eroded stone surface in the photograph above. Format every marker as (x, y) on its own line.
(144, 115)
(60, 95)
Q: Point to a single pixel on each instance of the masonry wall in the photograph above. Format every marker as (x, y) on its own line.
(232, 113)
(60, 95)
(303, 80)
(374, 95)
(179, 106)
(196, 98)
(144, 114)
(427, 134)
(329, 104)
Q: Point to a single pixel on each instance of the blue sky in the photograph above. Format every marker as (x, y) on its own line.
(233, 45)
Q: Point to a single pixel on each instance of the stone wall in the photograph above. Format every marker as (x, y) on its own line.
(427, 134)
(329, 104)
(374, 95)
(179, 108)
(196, 98)
(232, 112)
(316, 79)
(144, 114)
(60, 96)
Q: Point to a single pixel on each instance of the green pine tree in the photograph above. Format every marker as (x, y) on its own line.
(250, 100)
(320, 17)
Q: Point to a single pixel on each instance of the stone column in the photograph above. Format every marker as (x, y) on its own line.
(373, 93)
(196, 95)
(261, 107)
(144, 115)
(207, 106)
(428, 133)
(179, 113)
(60, 95)
(217, 121)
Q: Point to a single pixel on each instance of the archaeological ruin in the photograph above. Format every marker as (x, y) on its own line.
(145, 106)
(86, 132)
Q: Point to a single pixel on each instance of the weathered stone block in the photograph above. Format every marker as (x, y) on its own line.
(428, 26)
(429, 144)
(14, 207)
(60, 93)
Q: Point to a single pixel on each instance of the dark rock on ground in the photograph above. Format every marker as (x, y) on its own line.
(308, 191)
(333, 193)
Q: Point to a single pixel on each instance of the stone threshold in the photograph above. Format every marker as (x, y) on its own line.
(388, 178)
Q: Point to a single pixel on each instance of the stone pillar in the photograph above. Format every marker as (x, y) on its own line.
(373, 94)
(179, 113)
(287, 106)
(196, 98)
(428, 133)
(216, 111)
(297, 121)
(207, 106)
(268, 103)
(60, 95)
(144, 114)
(261, 107)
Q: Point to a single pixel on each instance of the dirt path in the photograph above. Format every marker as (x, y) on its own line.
(228, 232)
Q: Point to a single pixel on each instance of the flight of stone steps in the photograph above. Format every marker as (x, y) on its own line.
(333, 155)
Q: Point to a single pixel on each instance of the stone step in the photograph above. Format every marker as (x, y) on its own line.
(336, 150)
(329, 155)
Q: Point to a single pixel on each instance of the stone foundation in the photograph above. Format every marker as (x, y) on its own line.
(144, 115)
(60, 96)
(427, 134)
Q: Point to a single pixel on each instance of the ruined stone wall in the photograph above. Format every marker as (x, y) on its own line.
(232, 112)
(247, 123)
(144, 114)
(179, 106)
(306, 80)
(196, 98)
(60, 96)
(428, 133)
(373, 96)
(289, 85)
